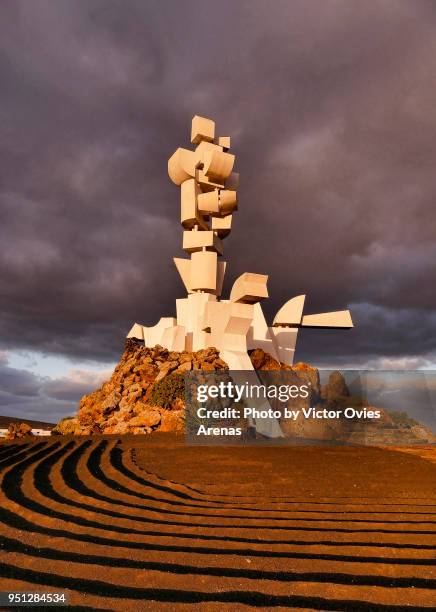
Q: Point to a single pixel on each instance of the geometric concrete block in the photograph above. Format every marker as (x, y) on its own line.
(249, 288)
(202, 129)
(173, 338)
(202, 148)
(220, 273)
(233, 347)
(153, 335)
(221, 225)
(228, 201)
(224, 141)
(208, 183)
(181, 166)
(192, 308)
(237, 326)
(236, 360)
(203, 271)
(259, 335)
(182, 311)
(136, 332)
(227, 324)
(218, 165)
(184, 269)
(196, 241)
(189, 213)
(334, 320)
(209, 202)
(285, 339)
(190, 315)
(215, 317)
(291, 312)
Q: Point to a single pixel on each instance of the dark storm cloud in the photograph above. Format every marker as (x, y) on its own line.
(19, 382)
(332, 109)
(27, 395)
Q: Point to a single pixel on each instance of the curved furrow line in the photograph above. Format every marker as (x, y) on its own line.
(130, 458)
(20, 523)
(70, 474)
(15, 450)
(129, 462)
(157, 520)
(57, 549)
(9, 448)
(16, 546)
(95, 468)
(33, 482)
(41, 499)
(76, 464)
(46, 485)
(126, 527)
(118, 461)
(117, 575)
(268, 527)
(75, 469)
(17, 456)
(18, 496)
(179, 596)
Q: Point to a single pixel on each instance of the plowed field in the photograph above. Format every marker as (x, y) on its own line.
(146, 523)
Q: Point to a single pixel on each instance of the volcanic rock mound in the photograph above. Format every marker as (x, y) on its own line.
(144, 393)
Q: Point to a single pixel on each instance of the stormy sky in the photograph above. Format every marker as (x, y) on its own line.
(331, 106)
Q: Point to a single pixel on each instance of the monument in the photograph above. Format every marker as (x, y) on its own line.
(208, 200)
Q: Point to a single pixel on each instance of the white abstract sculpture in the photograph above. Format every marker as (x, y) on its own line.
(208, 199)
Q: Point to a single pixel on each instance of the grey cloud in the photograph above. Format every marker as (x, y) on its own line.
(400, 339)
(71, 388)
(19, 382)
(28, 395)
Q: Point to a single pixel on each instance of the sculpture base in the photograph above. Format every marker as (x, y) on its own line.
(233, 328)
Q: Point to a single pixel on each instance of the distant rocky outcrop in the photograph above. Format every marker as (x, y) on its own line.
(392, 428)
(147, 388)
(18, 430)
(336, 390)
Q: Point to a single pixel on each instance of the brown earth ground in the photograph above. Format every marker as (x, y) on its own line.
(425, 451)
(147, 523)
